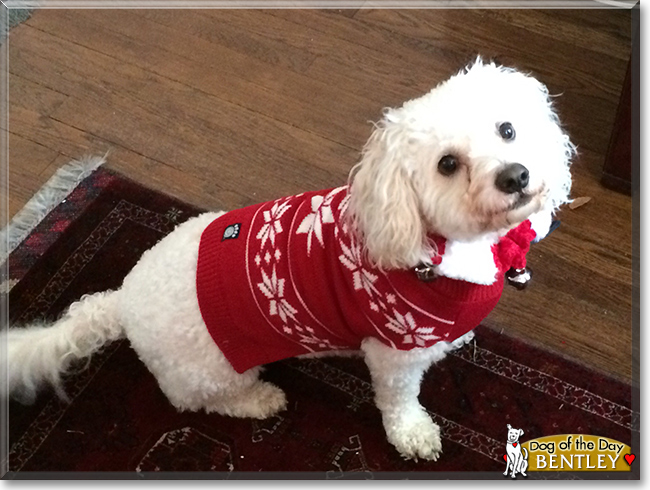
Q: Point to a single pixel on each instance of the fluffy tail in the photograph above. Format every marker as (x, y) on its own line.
(39, 354)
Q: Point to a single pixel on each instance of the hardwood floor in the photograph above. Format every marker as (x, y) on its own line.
(225, 108)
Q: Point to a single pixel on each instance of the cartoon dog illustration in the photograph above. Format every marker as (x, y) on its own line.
(516, 460)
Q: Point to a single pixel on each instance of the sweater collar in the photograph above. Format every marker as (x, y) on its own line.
(495, 258)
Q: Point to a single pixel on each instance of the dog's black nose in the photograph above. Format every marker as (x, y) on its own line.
(513, 178)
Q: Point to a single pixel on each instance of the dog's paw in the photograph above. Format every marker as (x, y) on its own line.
(272, 400)
(266, 400)
(416, 437)
(261, 401)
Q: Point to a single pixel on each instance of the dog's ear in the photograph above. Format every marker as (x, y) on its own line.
(509, 427)
(383, 203)
(521, 432)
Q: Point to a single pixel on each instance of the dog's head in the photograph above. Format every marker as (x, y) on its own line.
(514, 434)
(478, 154)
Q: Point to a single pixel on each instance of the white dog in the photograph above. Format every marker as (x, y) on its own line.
(449, 184)
(516, 461)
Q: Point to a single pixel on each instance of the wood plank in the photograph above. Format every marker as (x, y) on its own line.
(28, 162)
(191, 128)
(232, 29)
(260, 87)
(373, 67)
(435, 60)
(612, 22)
(32, 95)
(54, 135)
(73, 143)
(28, 168)
(595, 32)
(27, 157)
(472, 32)
(351, 59)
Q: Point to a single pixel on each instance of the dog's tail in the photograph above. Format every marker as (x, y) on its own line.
(525, 451)
(38, 354)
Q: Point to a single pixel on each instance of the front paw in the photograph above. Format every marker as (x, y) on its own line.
(416, 436)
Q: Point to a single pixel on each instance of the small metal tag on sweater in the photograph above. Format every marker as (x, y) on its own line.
(425, 273)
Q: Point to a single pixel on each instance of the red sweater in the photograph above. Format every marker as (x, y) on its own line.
(285, 278)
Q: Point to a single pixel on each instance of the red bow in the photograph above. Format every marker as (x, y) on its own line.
(511, 250)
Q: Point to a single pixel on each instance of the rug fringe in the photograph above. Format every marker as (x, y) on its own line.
(53, 192)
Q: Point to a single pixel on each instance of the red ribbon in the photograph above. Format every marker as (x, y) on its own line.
(511, 250)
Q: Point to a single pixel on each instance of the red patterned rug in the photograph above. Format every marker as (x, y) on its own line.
(119, 421)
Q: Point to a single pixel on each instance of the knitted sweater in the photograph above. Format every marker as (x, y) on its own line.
(285, 278)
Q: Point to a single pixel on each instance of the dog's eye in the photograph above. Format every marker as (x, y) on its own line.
(506, 131)
(447, 165)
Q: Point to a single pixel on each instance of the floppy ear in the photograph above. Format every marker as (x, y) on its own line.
(383, 203)
(509, 426)
(521, 432)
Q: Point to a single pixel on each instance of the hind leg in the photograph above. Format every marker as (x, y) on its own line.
(195, 375)
(245, 397)
(161, 317)
(205, 380)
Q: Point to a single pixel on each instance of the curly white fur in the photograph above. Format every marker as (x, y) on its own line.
(397, 198)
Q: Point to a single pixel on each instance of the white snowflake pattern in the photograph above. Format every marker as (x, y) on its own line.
(311, 339)
(343, 205)
(273, 288)
(258, 260)
(272, 225)
(321, 213)
(361, 278)
(307, 335)
(405, 325)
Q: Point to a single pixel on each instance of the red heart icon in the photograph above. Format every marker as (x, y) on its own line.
(514, 444)
(629, 458)
(505, 457)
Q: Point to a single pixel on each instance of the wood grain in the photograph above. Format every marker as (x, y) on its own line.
(225, 108)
